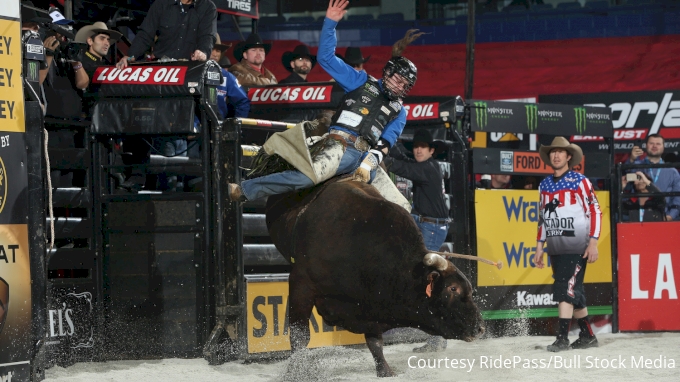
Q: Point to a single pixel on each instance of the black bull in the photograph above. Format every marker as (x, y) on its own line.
(359, 259)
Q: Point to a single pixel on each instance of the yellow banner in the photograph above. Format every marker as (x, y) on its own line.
(15, 294)
(11, 88)
(507, 224)
(267, 324)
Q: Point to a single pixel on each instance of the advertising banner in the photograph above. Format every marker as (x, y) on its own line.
(246, 8)
(11, 87)
(541, 118)
(634, 116)
(507, 222)
(268, 327)
(649, 276)
(15, 271)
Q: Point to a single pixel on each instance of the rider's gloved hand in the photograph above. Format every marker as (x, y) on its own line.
(370, 163)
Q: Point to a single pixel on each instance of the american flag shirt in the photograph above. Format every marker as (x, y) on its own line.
(569, 214)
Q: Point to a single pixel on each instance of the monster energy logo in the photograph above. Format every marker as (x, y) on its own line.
(482, 114)
(32, 71)
(212, 97)
(532, 117)
(580, 114)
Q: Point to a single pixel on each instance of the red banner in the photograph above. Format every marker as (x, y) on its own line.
(290, 94)
(140, 75)
(419, 111)
(647, 270)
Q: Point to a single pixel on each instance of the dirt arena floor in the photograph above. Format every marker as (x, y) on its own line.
(649, 357)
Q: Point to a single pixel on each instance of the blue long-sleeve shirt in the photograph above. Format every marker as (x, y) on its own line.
(350, 79)
(232, 89)
(666, 180)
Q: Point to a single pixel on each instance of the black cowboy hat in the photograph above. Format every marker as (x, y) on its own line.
(299, 51)
(353, 56)
(29, 15)
(424, 136)
(224, 62)
(252, 41)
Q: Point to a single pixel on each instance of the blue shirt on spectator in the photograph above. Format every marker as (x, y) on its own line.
(350, 79)
(232, 89)
(667, 180)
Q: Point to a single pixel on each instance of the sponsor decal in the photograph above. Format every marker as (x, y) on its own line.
(72, 320)
(364, 99)
(530, 162)
(371, 89)
(506, 161)
(482, 112)
(290, 94)
(246, 8)
(385, 110)
(572, 281)
(350, 102)
(140, 75)
(532, 299)
(419, 111)
(364, 111)
(580, 115)
(214, 76)
(532, 117)
(267, 321)
(35, 49)
(32, 71)
(376, 132)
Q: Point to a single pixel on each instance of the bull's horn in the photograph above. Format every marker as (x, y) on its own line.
(436, 261)
(448, 255)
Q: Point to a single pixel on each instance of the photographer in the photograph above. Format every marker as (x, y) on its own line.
(641, 209)
(66, 75)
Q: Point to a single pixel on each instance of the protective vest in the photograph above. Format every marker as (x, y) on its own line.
(366, 110)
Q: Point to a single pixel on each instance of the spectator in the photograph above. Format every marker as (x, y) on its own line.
(665, 179)
(530, 183)
(354, 58)
(224, 62)
(99, 38)
(299, 62)
(429, 209)
(494, 181)
(185, 29)
(570, 220)
(249, 67)
(66, 76)
(230, 87)
(648, 209)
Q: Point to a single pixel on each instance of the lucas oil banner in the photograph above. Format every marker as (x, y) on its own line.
(267, 321)
(507, 223)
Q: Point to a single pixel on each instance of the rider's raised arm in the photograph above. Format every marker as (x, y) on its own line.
(345, 75)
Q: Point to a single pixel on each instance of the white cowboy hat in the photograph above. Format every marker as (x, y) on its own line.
(561, 143)
(98, 27)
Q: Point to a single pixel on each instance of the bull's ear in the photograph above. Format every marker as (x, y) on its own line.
(431, 278)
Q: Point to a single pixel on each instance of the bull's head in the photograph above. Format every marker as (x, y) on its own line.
(454, 314)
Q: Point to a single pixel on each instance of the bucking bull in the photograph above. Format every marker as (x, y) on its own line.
(361, 261)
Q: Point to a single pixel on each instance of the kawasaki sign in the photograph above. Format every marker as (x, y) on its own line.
(518, 118)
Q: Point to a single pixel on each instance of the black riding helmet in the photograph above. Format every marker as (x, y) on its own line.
(405, 68)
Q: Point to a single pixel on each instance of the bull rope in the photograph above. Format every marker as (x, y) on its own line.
(450, 255)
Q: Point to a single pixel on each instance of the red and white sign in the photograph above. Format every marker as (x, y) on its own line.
(140, 75)
(290, 94)
(649, 276)
(419, 111)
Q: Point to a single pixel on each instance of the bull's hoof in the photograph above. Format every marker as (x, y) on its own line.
(386, 372)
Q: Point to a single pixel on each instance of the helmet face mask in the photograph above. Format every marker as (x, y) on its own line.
(399, 76)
